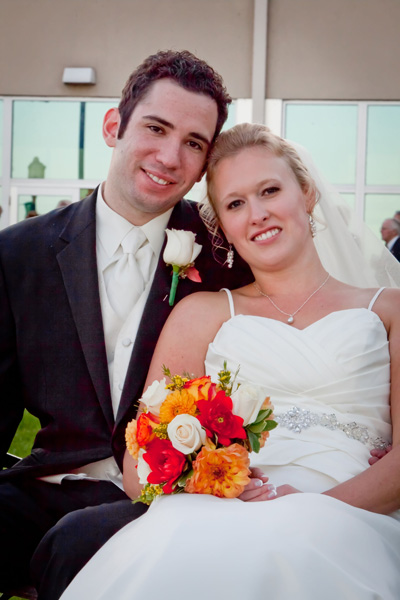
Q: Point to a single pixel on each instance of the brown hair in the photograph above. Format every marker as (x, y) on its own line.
(230, 143)
(190, 72)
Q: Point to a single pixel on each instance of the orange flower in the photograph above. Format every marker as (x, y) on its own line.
(201, 388)
(146, 423)
(263, 438)
(179, 402)
(131, 438)
(267, 405)
(223, 472)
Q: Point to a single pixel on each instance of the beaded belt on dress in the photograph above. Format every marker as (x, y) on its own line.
(296, 419)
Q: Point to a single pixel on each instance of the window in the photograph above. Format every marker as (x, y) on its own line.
(48, 132)
(97, 154)
(379, 207)
(62, 137)
(383, 145)
(329, 132)
(357, 147)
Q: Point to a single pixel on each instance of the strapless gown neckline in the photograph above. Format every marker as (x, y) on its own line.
(304, 546)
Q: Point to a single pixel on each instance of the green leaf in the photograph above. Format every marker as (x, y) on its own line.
(183, 478)
(257, 427)
(263, 414)
(269, 425)
(166, 371)
(254, 441)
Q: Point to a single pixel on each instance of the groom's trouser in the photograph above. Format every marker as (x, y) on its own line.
(70, 522)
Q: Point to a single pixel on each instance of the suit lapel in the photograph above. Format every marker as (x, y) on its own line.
(155, 314)
(77, 261)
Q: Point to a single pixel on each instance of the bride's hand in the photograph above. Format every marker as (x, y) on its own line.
(285, 490)
(378, 454)
(257, 488)
(270, 492)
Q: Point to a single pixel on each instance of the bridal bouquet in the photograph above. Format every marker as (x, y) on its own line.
(195, 435)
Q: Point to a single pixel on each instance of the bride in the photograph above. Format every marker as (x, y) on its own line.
(315, 521)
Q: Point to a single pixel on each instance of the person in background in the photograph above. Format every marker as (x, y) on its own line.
(390, 232)
(63, 203)
(83, 297)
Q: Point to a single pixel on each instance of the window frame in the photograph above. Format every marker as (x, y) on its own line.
(360, 189)
(7, 182)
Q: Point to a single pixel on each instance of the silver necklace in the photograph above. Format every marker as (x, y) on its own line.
(291, 315)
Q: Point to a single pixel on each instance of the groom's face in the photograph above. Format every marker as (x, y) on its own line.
(162, 152)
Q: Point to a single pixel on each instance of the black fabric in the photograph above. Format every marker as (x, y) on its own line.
(69, 545)
(52, 350)
(53, 363)
(396, 249)
(29, 508)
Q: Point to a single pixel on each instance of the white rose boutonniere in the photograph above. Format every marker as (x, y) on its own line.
(180, 252)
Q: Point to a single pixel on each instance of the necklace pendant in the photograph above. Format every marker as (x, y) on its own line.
(290, 320)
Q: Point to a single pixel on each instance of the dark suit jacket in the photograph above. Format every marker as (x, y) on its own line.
(396, 249)
(52, 349)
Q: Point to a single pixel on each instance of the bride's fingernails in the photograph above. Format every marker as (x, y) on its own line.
(272, 492)
(258, 482)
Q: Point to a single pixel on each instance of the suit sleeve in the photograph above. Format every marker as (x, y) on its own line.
(11, 400)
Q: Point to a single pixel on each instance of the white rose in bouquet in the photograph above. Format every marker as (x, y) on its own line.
(247, 402)
(181, 248)
(154, 396)
(143, 469)
(186, 433)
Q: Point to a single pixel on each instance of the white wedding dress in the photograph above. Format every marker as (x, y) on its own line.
(299, 547)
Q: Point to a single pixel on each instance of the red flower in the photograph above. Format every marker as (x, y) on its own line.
(217, 418)
(165, 462)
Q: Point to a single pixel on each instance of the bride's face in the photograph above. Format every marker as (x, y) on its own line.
(261, 207)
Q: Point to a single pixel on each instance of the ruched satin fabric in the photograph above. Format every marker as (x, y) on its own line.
(305, 546)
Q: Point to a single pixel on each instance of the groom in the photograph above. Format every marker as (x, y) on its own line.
(74, 350)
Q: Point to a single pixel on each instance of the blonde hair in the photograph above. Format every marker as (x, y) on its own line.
(230, 143)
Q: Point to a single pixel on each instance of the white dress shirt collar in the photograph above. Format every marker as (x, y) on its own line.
(111, 228)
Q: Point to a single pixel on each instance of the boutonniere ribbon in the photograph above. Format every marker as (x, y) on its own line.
(180, 252)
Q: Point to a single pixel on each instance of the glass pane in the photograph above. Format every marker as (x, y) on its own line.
(329, 132)
(96, 154)
(49, 131)
(1, 138)
(29, 206)
(379, 207)
(383, 145)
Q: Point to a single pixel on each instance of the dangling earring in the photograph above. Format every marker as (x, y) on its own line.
(230, 255)
(313, 227)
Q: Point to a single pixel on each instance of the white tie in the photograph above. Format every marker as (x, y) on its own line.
(129, 274)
